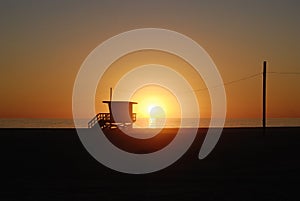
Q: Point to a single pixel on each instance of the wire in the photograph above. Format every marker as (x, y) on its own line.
(242, 79)
(231, 82)
(285, 73)
(235, 81)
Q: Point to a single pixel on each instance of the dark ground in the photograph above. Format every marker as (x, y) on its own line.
(52, 164)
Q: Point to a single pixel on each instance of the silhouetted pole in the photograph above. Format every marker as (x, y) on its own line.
(264, 93)
(110, 94)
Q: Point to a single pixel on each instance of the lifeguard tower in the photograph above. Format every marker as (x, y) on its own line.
(120, 115)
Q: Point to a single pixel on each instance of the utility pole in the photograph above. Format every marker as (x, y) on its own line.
(264, 93)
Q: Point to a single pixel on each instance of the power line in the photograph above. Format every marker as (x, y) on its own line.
(285, 73)
(235, 81)
(242, 79)
(246, 78)
(230, 82)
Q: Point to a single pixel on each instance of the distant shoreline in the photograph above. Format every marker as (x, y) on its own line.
(201, 128)
(143, 123)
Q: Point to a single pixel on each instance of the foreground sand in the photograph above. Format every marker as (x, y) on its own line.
(52, 164)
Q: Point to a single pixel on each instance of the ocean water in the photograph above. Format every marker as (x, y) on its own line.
(148, 123)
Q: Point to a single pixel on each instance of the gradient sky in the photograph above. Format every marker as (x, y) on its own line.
(43, 44)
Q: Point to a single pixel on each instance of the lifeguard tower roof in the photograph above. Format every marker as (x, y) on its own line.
(119, 102)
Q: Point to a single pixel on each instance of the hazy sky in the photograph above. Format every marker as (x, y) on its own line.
(43, 44)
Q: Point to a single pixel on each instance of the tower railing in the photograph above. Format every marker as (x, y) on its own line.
(105, 118)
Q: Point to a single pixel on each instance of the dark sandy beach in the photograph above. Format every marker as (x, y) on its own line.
(52, 164)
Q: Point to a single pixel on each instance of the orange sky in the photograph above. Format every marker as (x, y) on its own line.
(140, 58)
(43, 45)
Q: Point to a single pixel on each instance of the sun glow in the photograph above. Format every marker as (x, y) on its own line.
(156, 102)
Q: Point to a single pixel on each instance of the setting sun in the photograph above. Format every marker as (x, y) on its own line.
(156, 102)
(156, 112)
